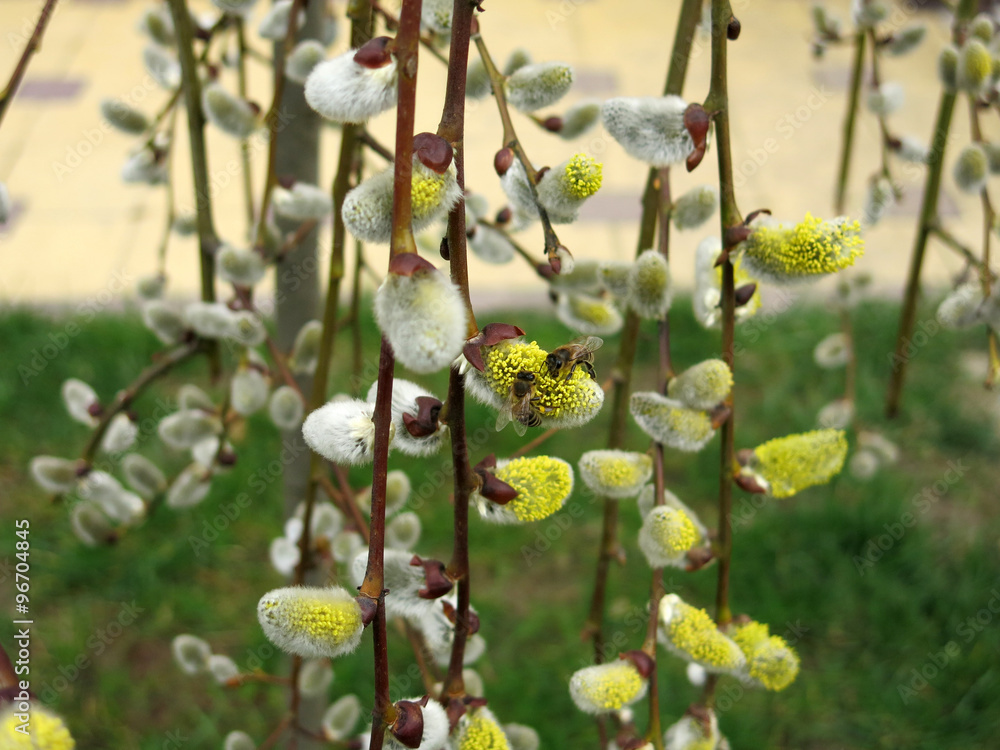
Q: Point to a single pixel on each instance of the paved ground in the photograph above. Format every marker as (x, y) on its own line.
(79, 231)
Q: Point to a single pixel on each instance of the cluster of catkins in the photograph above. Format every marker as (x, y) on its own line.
(424, 319)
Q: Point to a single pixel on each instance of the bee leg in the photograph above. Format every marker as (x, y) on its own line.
(590, 370)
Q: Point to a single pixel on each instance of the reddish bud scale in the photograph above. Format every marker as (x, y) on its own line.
(553, 124)
(503, 161)
(643, 662)
(408, 727)
(434, 152)
(504, 215)
(407, 264)
(426, 420)
(744, 294)
(374, 53)
(733, 29)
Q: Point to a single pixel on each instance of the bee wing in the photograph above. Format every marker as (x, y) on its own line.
(591, 343)
(504, 416)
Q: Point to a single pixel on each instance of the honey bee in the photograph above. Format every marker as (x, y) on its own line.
(520, 406)
(577, 353)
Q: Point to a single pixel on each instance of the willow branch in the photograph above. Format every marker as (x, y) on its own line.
(928, 218)
(241, 68)
(34, 42)
(690, 14)
(847, 143)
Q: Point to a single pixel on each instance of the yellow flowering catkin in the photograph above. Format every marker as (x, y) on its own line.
(691, 634)
(606, 687)
(666, 535)
(310, 621)
(792, 463)
(480, 731)
(582, 176)
(770, 660)
(574, 399)
(614, 473)
(543, 483)
(812, 248)
(47, 731)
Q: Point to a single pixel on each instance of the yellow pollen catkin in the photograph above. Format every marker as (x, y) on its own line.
(770, 660)
(607, 687)
(673, 530)
(583, 176)
(543, 483)
(693, 632)
(791, 464)
(427, 189)
(47, 732)
(811, 248)
(557, 397)
(483, 733)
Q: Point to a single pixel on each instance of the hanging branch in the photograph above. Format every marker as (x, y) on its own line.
(241, 69)
(452, 129)
(850, 119)
(690, 14)
(718, 104)
(10, 90)
(406, 44)
(928, 220)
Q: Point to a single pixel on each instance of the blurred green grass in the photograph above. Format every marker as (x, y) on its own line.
(859, 636)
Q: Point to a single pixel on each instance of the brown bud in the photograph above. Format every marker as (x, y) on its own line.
(407, 264)
(227, 458)
(434, 152)
(732, 236)
(368, 607)
(287, 181)
(374, 53)
(503, 161)
(720, 415)
(504, 215)
(553, 124)
(437, 583)
(490, 335)
(733, 29)
(425, 422)
(496, 490)
(744, 456)
(541, 173)
(754, 214)
(445, 249)
(489, 462)
(749, 484)
(642, 662)
(408, 727)
(698, 558)
(744, 294)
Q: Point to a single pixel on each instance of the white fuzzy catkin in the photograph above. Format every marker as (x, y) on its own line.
(650, 290)
(235, 7)
(518, 191)
(78, 398)
(89, 524)
(436, 15)
(836, 415)
(341, 717)
(248, 391)
(579, 119)
(237, 740)
(403, 531)
(286, 408)
(702, 386)
(222, 668)
(182, 429)
(344, 91)
(650, 129)
(189, 488)
(143, 476)
(284, 555)
(191, 653)
(315, 677)
(162, 66)
(123, 117)
(833, 351)
(695, 207)
(239, 266)
(563, 189)
(343, 431)
(907, 39)
(912, 150)
(591, 316)
(532, 87)
(210, 320)
(230, 114)
(311, 622)
(404, 401)
(423, 317)
(670, 422)
(304, 58)
(971, 168)
(247, 328)
(303, 202)
(403, 581)
(963, 307)
(144, 168)
(886, 99)
(274, 25)
(157, 23)
(605, 688)
(878, 200)
(305, 350)
(120, 435)
(477, 80)
(367, 210)
(615, 473)
(491, 246)
(52, 474)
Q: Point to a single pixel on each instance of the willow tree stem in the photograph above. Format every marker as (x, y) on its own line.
(34, 42)
(847, 143)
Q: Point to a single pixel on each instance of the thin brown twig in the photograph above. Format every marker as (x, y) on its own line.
(34, 42)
